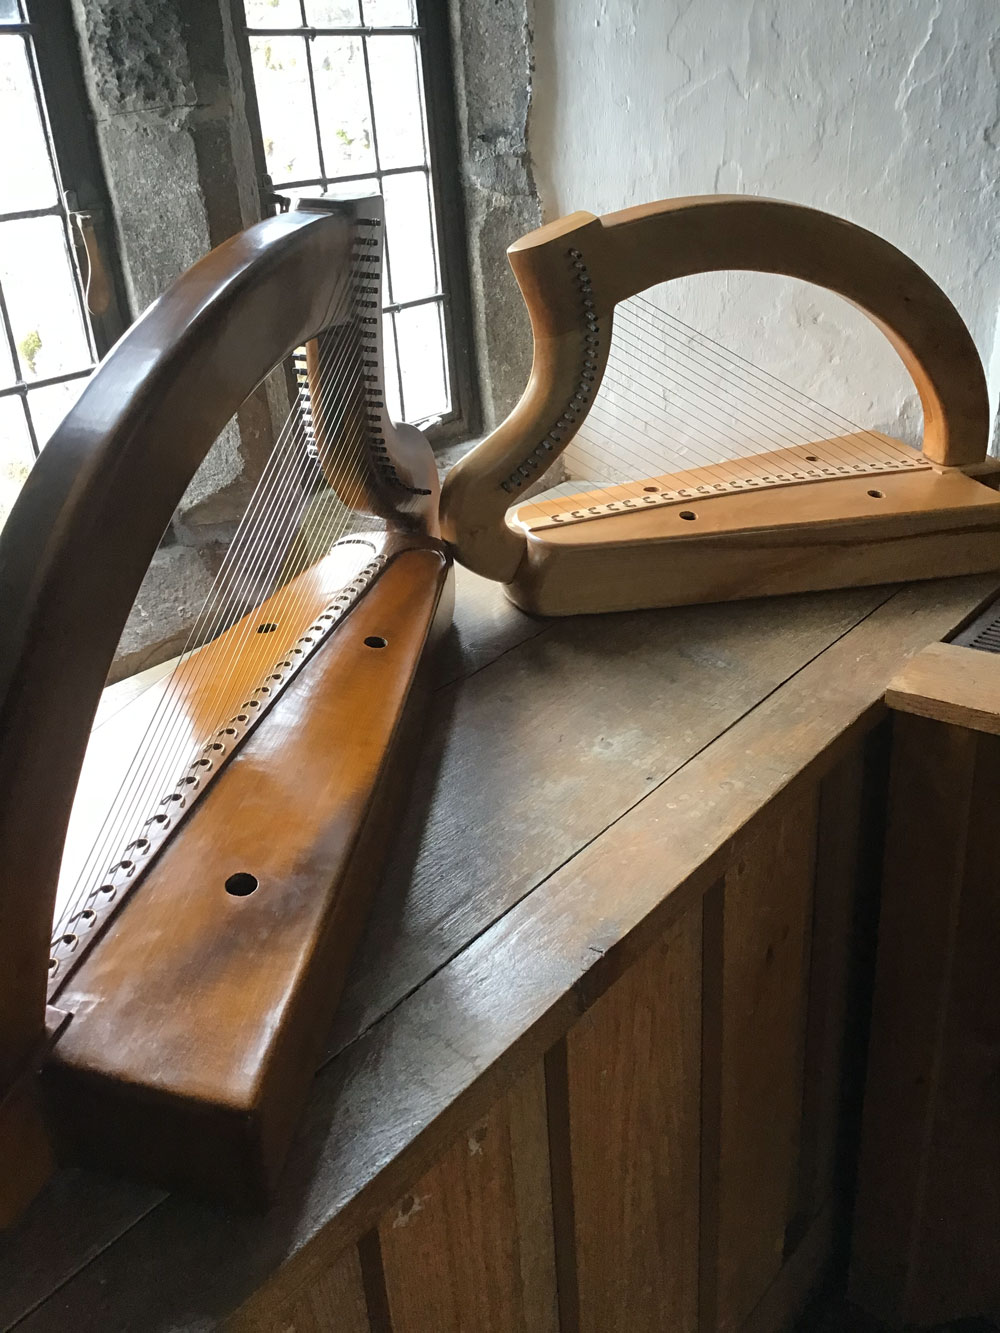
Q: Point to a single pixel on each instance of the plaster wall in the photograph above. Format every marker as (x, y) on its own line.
(886, 113)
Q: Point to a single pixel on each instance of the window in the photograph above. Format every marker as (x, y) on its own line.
(48, 342)
(342, 91)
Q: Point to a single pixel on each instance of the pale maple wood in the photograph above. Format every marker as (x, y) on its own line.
(950, 683)
(626, 252)
(837, 534)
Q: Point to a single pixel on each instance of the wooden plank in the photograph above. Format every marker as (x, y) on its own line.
(838, 855)
(463, 1249)
(952, 684)
(767, 915)
(800, 1278)
(932, 770)
(927, 1239)
(335, 1301)
(633, 1069)
(381, 1111)
(957, 1253)
(561, 765)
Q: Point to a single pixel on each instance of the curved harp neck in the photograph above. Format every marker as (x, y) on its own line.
(573, 273)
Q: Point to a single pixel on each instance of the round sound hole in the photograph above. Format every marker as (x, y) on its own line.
(877, 495)
(689, 514)
(375, 641)
(242, 884)
(268, 627)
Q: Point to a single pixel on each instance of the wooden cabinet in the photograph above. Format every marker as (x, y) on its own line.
(927, 1234)
(596, 1061)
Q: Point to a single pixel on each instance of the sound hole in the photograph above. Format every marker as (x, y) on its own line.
(650, 488)
(375, 641)
(267, 628)
(242, 884)
(688, 514)
(876, 495)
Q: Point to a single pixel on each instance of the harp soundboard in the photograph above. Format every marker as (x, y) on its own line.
(689, 475)
(169, 969)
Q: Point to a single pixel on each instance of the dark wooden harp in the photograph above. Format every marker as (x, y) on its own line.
(180, 1046)
(848, 507)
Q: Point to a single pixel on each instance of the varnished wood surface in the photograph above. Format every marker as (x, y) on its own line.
(606, 260)
(588, 782)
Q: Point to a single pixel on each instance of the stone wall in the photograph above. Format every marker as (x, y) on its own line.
(491, 46)
(165, 82)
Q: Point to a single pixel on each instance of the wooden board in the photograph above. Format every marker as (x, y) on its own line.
(468, 1246)
(335, 1301)
(766, 926)
(633, 1065)
(467, 999)
(927, 1236)
(951, 683)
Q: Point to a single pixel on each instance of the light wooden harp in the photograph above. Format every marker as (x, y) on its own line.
(679, 505)
(163, 1003)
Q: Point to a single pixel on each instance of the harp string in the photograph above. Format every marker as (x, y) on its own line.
(346, 446)
(282, 497)
(156, 758)
(673, 399)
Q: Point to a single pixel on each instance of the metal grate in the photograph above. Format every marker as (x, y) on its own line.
(339, 87)
(984, 632)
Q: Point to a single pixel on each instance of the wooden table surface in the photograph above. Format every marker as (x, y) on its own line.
(580, 779)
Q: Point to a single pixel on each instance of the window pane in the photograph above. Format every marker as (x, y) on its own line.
(273, 13)
(421, 357)
(9, 12)
(40, 287)
(399, 121)
(333, 13)
(26, 179)
(48, 406)
(342, 101)
(410, 236)
(282, 78)
(7, 372)
(15, 453)
(388, 13)
(391, 376)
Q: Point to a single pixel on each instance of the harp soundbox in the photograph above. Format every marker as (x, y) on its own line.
(692, 475)
(167, 982)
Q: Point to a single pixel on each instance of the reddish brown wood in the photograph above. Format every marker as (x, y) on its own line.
(197, 1022)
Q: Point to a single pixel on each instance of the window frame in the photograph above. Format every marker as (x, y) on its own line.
(57, 81)
(464, 420)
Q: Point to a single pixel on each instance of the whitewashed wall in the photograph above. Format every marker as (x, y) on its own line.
(886, 112)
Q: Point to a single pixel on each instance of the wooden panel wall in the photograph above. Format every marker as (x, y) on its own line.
(927, 1236)
(670, 1166)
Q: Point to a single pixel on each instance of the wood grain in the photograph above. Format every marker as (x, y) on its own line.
(606, 260)
(480, 1008)
(454, 1254)
(334, 1303)
(927, 1236)
(634, 1075)
(831, 964)
(767, 916)
(951, 683)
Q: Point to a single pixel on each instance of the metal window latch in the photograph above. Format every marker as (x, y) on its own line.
(93, 270)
